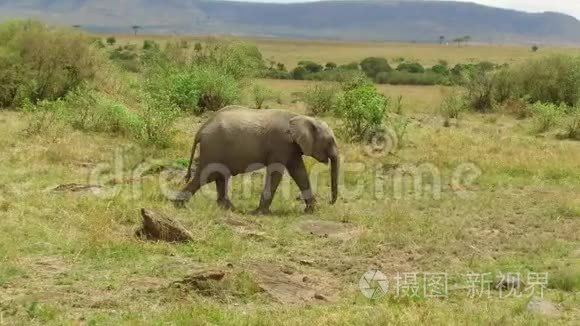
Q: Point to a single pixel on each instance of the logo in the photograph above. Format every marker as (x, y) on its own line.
(373, 285)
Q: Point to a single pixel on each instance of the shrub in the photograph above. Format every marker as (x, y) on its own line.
(546, 116)
(572, 127)
(451, 107)
(216, 89)
(553, 79)
(407, 78)
(310, 67)
(111, 40)
(350, 66)
(262, 94)
(336, 75)
(299, 73)
(330, 66)
(276, 74)
(480, 93)
(372, 66)
(42, 63)
(150, 45)
(320, 99)
(440, 69)
(209, 81)
(412, 67)
(362, 110)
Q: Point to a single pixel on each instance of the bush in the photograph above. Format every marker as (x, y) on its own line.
(412, 67)
(299, 73)
(310, 67)
(451, 107)
(573, 126)
(208, 82)
(85, 109)
(440, 69)
(261, 95)
(334, 75)
(350, 66)
(111, 40)
(407, 78)
(150, 45)
(480, 93)
(330, 66)
(362, 110)
(276, 74)
(546, 116)
(372, 66)
(41, 63)
(320, 99)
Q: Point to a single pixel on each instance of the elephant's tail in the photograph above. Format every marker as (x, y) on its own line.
(193, 149)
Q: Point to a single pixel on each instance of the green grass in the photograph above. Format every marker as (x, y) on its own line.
(69, 258)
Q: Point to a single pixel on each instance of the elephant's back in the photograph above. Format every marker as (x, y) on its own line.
(239, 137)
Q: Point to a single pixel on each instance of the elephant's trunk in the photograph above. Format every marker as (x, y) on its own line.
(334, 166)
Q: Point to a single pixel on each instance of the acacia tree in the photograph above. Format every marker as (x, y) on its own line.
(136, 28)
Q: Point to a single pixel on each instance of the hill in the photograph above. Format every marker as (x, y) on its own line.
(420, 21)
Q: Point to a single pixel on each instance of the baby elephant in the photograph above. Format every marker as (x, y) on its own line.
(240, 140)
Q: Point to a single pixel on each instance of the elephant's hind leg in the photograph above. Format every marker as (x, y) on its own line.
(188, 191)
(223, 200)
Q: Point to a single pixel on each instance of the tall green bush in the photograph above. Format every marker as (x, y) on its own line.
(321, 99)
(362, 109)
(38, 62)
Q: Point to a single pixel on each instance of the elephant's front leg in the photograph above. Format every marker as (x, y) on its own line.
(222, 190)
(274, 174)
(298, 172)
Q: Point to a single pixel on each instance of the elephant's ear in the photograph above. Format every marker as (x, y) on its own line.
(302, 130)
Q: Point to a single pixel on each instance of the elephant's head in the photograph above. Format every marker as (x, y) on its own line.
(317, 140)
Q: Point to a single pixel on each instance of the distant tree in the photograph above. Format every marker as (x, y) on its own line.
(350, 66)
(441, 39)
(197, 47)
(310, 66)
(111, 40)
(280, 66)
(411, 67)
(535, 48)
(466, 39)
(374, 65)
(77, 26)
(136, 28)
(458, 40)
(330, 66)
(299, 73)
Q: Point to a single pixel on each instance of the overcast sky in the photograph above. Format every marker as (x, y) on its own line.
(571, 7)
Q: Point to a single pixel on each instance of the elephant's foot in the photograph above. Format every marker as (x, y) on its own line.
(225, 204)
(262, 211)
(180, 200)
(310, 209)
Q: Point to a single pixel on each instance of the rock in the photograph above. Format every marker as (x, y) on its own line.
(306, 262)
(319, 296)
(542, 307)
(158, 227)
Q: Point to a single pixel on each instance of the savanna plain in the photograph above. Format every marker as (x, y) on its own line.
(484, 193)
